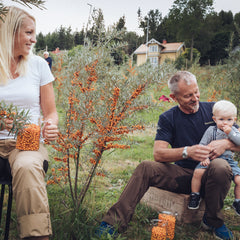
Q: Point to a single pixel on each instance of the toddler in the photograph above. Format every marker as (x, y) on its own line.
(224, 115)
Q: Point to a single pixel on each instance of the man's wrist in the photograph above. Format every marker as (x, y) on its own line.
(185, 153)
(229, 145)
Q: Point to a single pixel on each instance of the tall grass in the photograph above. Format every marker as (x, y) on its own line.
(118, 166)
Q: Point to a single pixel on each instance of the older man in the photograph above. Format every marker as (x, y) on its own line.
(182, 128)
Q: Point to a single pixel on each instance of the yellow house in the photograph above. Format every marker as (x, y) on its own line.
(157, 52)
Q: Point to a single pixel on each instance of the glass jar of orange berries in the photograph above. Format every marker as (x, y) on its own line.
(28, 138)
(170, 218)
(159, 229)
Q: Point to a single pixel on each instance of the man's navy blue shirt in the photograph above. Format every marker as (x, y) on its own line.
(180, 129)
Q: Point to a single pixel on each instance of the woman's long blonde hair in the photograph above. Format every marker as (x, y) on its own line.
(9, 28)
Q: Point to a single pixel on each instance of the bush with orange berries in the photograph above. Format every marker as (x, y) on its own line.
(99, 102)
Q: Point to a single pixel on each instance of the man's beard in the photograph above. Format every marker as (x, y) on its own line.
(195, 107)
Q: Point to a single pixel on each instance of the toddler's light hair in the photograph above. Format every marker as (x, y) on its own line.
(225, 108)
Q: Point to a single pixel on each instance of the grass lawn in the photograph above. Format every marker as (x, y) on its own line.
(104, 191)
(121, 169)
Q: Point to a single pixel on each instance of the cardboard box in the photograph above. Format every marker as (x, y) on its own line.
(161, 200)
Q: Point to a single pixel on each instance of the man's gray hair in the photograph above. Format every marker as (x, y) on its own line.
(181, 75)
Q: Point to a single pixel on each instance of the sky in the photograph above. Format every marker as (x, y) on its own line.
(75, 13)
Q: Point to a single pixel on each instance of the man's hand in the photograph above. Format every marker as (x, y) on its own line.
(199, 152)
(218, 147)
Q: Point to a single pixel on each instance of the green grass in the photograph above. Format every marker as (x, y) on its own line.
(105, 191)
(140, 227)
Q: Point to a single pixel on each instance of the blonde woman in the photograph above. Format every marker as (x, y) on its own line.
(26, 81)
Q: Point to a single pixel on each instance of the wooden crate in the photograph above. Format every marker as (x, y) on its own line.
(161, 200)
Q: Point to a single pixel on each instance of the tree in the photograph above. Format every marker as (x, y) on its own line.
(61, 37)
(28, 3)
(237, 18)
(79, 38)
(52, 41)
(133, 42)
(237, 29)
(189, 16)
(69, 39)
(167, 30)
(150, 23)
(40, 44)
(226, 19)
(219, 44)
(121, 23)
(98, 28)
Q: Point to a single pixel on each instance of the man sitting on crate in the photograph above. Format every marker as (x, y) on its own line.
(182, 128)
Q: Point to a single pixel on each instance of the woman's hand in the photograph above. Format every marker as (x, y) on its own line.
(8, 124)
(50, 130)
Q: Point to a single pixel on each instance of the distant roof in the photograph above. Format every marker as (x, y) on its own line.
(141, 49)
(166, 47)
(172, 47)
(153, 41)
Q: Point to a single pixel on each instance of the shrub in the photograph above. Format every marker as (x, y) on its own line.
(98, 103)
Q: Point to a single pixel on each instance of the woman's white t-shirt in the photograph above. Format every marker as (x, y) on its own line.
(24, 92)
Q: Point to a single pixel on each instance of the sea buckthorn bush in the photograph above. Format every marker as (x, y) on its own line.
(19, 116)
(98, 102)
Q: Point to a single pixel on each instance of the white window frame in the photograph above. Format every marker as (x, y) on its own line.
(153, 60)
(153, 48)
